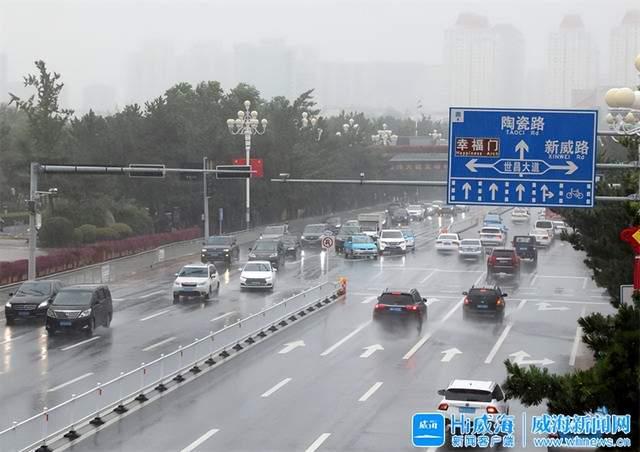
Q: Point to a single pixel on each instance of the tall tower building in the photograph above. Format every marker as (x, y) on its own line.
(571, 61)
(624, 47)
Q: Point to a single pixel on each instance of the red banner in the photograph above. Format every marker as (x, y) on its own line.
(257, 165)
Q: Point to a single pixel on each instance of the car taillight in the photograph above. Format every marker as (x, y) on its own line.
(443, 406)
(412, 308)
(492, 410)
(466, 300)
(500, 302)
(379, 307)
(492, 260)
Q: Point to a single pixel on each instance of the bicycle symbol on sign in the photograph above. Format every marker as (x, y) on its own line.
(574, 193)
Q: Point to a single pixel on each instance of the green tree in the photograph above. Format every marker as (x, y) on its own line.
(46, 118)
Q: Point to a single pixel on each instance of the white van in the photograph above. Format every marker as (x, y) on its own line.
(546, 225)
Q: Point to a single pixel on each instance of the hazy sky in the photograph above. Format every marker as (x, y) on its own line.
(88, 41)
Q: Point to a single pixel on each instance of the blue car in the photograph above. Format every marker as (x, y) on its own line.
(410, 238)
(360, 245)
(494, 220)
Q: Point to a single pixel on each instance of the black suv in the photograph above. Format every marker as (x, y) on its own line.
(345, 232)
(526, 247)
(268, 250)
(400, 217)
(80, 308)
(503, 261)
(484, 301)
(31, 300)
(402, 304)
(220, 248)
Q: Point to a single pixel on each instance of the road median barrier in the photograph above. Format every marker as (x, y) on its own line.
(84, 413)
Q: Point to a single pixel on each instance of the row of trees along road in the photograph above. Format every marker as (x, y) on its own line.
(177, 129)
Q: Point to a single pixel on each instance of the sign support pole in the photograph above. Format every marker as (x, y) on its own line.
(33, 235)
(205, 212)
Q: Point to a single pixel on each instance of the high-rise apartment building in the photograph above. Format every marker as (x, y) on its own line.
(624, 46)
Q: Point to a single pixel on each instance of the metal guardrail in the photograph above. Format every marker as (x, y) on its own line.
(136, 384)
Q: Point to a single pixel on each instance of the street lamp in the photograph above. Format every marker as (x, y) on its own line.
(311, 123)
(247, 124)
(349, 127)
(435, 136)
(384, 137)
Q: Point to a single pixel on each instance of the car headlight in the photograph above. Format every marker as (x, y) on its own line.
(85, 313)
(204, 251)
(243, 279)
(273, 255)
(176, 284)
(303, 237)
(7, 304)
(252, 255)
(51, 313)
(269, 278)
(201, 284)
(226, 250)
(44, 304)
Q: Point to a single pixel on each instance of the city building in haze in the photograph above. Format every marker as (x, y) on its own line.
(268, 65)
(624, 46)
(150, 72)
(571, 62)
(485, 64)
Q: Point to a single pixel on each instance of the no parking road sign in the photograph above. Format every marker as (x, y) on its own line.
(327, 243)
(538, 158)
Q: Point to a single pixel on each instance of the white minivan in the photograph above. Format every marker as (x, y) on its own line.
(546, 225)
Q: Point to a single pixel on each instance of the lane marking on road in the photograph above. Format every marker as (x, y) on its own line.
(70, 382)
(144, 319)
(370, 392)
(562, 276)
(117, 299)
(412, 351)
(584, 283)
(534, 278)
(276, 387)
(191, 447)
(424, 280)
(222, 316)
(11, 339)
(318, 442)
(157, 292)
(576, 341)
(86, 341)
(545, 300)
(368, 300)
(498, 344)
(158, 344)
(520, 305)
(345, 339)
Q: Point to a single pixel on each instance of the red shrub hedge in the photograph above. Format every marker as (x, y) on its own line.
(69, 258)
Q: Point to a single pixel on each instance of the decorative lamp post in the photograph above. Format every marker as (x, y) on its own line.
(310, 122)
(384, 137)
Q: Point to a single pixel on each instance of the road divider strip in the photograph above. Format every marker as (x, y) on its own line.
(194, 445)
(276, 387)
(318, 442)
(370, 392)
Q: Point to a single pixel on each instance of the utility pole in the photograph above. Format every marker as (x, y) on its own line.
(205, 212)
(33, 234)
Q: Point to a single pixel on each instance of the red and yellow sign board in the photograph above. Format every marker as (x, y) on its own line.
(257, 165)
(632, 237)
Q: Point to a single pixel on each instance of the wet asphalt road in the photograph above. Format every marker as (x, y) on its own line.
(324, 392)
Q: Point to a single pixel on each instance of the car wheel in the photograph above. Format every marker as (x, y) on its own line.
(207, 296)
(92, 326)
(109, 318)
(51, 331)
(10, 321)
(375, 257)
(176, 299)
(218, 288)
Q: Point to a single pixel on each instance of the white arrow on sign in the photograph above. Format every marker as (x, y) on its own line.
(546, 193)
(522, 147)
(290, 346)
(467, 188)
(520, 358)
(548, 307)
(570, 167)
(472, 165)
(370, 350)
(493, 188)
(449, 354)
(520, 190)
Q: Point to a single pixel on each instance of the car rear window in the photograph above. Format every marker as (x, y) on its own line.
(544, 225)
(502, 253)
(524, 239)
(490, 231)
(392, 235)
(470, 242)
(468, 395)
(483, 294)
(396, 299)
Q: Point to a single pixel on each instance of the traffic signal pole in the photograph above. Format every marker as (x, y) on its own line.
(33, 235)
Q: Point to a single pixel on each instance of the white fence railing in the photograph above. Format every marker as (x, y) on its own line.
(136, 384)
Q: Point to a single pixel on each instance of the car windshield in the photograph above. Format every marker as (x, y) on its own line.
(400, 212)
(468, 395)
(361, 239)
(220, 240)
(257, 267)
(392, 235)
(274, 230)
(502, 253)
(35, 288)
(265, 246)
(349, 230)
(447, 237)
(73, 298)
(559, 224)
(414, 207)
(470, 242)
(544, 225)
(314, 229)
(401, 299)
(193, 272)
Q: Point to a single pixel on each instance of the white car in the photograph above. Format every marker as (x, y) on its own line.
(258, 275)
(559, 227)
(542, 237)
(448, 241)
(196, 280)
(546, 225)
(416, 212)
(392, 240)
(470, 249)
(472, 397)
(493, 236)
(520, 215)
